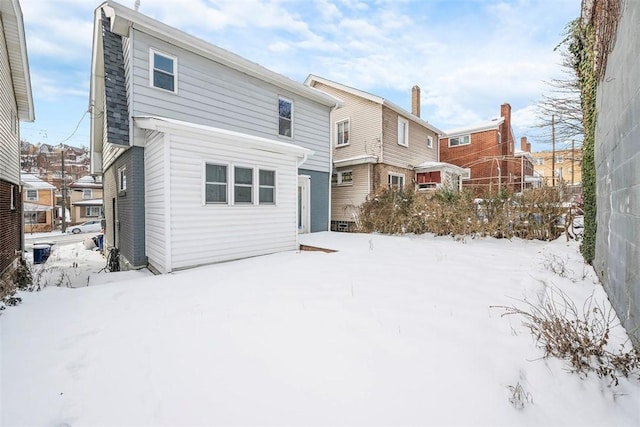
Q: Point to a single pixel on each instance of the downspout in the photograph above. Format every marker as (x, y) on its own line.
(304, 159)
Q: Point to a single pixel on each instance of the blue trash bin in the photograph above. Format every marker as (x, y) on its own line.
(40, 253)
(100, 241)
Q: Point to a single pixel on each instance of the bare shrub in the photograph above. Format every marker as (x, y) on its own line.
(579, 337)
(532, 215)
(19, 279)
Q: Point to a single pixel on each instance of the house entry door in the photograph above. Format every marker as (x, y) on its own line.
(304, 200)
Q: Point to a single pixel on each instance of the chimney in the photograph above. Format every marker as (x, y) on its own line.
(505, 129)
(415, 100)
(528, 147)
(524, 145)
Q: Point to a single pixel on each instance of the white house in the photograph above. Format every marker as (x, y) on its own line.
(205, 156)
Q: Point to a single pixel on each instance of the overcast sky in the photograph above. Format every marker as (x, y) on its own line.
(467, 56)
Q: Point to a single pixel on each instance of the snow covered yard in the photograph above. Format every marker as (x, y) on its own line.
(386, 331)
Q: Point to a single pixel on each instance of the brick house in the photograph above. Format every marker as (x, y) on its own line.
(377, 144)
(487, 152)
(16, 105)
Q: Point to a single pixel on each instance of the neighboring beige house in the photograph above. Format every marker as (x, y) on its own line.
(85, 196)
(567, 165)
(39, 202)
(376, 144)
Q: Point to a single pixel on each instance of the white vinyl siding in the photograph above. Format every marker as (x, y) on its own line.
(223, 231)
(10, 146)
(212, 94)
(156, 200)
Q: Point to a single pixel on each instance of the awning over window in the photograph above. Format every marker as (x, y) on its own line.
(32, 207)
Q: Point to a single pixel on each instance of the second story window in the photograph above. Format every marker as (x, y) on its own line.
(87, 194)
(459, 140)
(285, 117)
(342, 133)
(163, 71)
(403, 131)
(32, 195)
(429, 141)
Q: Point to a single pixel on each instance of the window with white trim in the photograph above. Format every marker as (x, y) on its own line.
(403, 131)
(459, 140)
(216, 179)
(342, 133)
(342, 177)
(429, 141)
(539, 161)
(396, 180)
(35, 217)
(267, 187)
(499, 138)
(285, 117)
(559, 159)
(32, 195)
(122, 179)
(93, 211)
(87, 193)
(163, 71)
(466, 174)
(242, 185)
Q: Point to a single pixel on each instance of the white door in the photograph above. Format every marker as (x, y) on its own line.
(304, 200)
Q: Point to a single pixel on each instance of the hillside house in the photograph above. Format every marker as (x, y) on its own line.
(16, 105)
(377, 144)
(39, 204)
(205, 156)
(85, 198)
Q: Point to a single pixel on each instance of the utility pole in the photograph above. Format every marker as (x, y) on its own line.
(64, 195)
(573, 158)
(553, 150)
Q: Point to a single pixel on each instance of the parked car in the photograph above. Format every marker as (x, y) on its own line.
(86, 227)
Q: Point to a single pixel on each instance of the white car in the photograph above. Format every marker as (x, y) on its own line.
(86, 227)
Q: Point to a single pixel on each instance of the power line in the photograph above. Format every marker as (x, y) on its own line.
(76, 129)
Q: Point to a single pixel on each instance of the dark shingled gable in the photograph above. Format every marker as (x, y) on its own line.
(117, 115)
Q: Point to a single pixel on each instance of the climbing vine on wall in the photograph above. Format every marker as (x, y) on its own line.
(590, 40)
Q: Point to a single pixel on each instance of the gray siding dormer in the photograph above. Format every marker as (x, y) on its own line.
(212, 94)
(116, 112)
